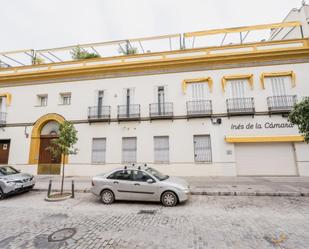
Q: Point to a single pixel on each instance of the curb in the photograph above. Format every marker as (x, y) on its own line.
(215, 193)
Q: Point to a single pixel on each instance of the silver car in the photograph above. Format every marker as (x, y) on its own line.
(12, 181)
(140, 184)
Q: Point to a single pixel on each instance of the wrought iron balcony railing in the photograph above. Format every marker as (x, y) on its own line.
(282, 103)
(97, 113)
(161, 110)
(240, 106)
(2, 118)
(199, 108)
(129, 112)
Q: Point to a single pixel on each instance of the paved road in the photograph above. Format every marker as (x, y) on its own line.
(203, 222)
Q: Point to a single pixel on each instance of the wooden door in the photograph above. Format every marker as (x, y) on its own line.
(48, 163)
(4, 151)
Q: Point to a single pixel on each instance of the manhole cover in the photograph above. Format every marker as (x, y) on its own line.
(147, 212)
(61, 235)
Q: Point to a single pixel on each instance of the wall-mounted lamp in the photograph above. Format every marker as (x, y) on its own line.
(26, 133)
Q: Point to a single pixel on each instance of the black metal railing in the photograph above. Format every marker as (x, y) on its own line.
(2, 118)
(129, 111)
(161, 110)
(284, 103)
(240, 106)
(99, 113)
(199, 108)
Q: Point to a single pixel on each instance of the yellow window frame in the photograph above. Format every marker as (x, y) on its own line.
(8, 97)
(225, 79)
(278, 74)
(197, 80)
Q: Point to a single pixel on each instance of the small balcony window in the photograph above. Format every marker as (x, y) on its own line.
(281, 104)
(161, 110)
(239, 106)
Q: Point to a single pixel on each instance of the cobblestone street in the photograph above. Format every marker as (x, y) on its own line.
(27, 221)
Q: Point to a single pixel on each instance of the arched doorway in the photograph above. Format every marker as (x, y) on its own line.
(48, 163)
(44, 131)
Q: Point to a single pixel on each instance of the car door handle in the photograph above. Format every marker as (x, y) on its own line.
(116, 182)
(137, 184)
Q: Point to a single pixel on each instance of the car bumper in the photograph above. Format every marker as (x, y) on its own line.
(17, 188)
(183, 195)
(95, 190)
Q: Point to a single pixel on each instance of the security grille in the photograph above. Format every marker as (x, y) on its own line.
(278, 85)
(98, 150)
(129, 145)
(202, 148)
(161, 149)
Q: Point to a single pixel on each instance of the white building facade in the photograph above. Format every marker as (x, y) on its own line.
(219, 111)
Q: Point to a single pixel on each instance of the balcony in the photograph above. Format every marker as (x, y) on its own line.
(161, 110)
(199, 108)
(129, 112)
(281, 104)
(99, 113)
(240, 106)
(3, 118)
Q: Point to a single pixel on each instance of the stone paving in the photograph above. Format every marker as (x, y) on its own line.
(27, 221)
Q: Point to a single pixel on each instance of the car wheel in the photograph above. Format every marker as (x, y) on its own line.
(169, 199)
(107, 196)
(1, 194)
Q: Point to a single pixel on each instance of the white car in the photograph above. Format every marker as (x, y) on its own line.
(12, 181)
(140, 184)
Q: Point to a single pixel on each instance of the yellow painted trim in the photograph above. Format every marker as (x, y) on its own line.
(198, 80)
(53, 73)
(243, 29)
(264, 139)
(278, 74)
(249, 77)
(8, 98)
(36, 132)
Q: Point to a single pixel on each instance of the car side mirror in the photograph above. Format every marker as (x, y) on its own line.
(150, 181)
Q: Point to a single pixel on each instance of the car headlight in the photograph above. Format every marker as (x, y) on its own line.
(10, 183)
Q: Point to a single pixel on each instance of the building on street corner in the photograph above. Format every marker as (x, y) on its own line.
(192, 104)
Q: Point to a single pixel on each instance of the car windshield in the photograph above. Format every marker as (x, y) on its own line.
(8, 170)
(157, 174)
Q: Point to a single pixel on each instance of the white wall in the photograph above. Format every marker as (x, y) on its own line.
(23, 109)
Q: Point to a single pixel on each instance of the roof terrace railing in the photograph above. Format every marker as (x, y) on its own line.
(211, 42)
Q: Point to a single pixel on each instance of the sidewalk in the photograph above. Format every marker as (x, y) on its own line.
(213, 186)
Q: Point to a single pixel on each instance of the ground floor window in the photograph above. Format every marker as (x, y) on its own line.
(129, 146)
(161, 149)
(98, 150)
(202, 148)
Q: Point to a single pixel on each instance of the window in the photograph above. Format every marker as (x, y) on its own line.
(140, 176)
(198, 91)
(161, 149)
(238, 88)
(123, 175)
(128, 96)
(202, 148)
(129, 149)
(278, 85)
(65, 98)
(98, 150)
(100, 97)
(42, 100)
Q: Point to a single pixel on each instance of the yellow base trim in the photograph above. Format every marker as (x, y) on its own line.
(249, 77)
(264, 139)
(278, 74)
(198, 80)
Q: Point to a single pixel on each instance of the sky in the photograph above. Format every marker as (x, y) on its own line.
(38, 24)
